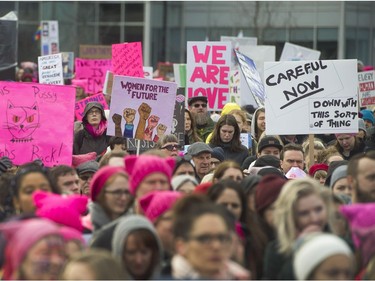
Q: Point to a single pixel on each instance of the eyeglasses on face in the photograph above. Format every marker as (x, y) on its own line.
(207, 239)
(196, 105)
(94, 111)
(170, 147)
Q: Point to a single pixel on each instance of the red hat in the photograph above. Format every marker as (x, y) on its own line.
(203, 188)
(267, 191)
(100, 178)
(317, 167)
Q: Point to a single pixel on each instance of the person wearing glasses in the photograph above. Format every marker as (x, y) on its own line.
(169, 145)
(85, 173)
(292, 155)
(110, 196)
(203, 121)
(92, 138)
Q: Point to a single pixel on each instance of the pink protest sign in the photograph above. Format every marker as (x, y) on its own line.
(37, 122)
(207, 72)
(80, 105)
(127, 59)
(94, 71)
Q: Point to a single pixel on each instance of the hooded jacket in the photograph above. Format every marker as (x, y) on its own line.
(124, 228)
(254, 124)
(84, 142)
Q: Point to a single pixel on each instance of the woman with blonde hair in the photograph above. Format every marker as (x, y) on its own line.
(302, 206)
(318, 146)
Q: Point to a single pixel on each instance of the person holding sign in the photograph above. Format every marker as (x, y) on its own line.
(93, 135)
(227, 136)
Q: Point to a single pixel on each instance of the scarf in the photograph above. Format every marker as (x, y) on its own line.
(97, 132)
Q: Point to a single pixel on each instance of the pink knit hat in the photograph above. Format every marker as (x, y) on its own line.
(21, 236)
(156, 203)
(83, 158)
(100, 178)
(61, 210)
(139, 167)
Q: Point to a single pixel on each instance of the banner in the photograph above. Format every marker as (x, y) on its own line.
(292, 52)
(50, 37)
(94, 71)
(50, 69)
(37, 123)
(81, 104)
(95, 52)
(141, 108)
(366, 86)
(68, 64)
(252, 77)
(208, 67)
(300, 94)
(127, 59)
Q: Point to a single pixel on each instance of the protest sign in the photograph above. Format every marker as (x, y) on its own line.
(80, 105)
(295, 89)
(148, 72)
(179, 72)
(208, 67)
(68, 64)
(252, 77)
(245, 139)
(49, 37)
(366, 84)
(141, 108)
(50, 69)
(178, 125)
(127, 59)
(108, 83)
(37, 123)
(95, 52)
(94, 71)
(235, 85)
(293, 52)
(131, 145)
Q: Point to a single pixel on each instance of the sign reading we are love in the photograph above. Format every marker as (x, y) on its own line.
(300, 94)
(36, 123)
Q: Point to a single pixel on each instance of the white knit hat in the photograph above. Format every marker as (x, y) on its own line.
(316, 248)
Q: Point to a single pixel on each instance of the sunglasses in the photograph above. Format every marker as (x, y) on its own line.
(196, 105)
(170, 147)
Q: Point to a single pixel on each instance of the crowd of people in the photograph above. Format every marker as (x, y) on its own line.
(222, 210)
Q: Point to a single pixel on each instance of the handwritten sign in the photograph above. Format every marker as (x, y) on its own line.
(95, 52)
(252, 77)
(208, 66)
(293, 52)
(141, 108)
(94, 71)
(50, 69)
(127, 59)
(366, 85)
(290, 86)
(67, 64)
(80, 105)
(49, 37)
(36, 122)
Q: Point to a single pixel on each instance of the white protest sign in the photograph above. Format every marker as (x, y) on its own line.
(208, 66)
(148, 72)
(50, 69)
(292, 52)
(234, 85)
(366, 84)
(141, 108)
(49, 38)
(260, 55)
(246, 97)
(246, 140)
(290, 86)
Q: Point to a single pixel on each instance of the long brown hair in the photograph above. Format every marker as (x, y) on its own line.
(229, 120)
(193, 129)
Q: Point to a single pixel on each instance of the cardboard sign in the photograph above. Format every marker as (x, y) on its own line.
(366, 85)
(208, 67)
(94, 71)
(37, 122)
(81, 104)
(49, 37)
(252, 77)
(95, 52)
(141, 108)
(293, 52)
(178, 125)
(127, 59)
(291, 85)
(148, 72)
(50, 70)
(68, 64)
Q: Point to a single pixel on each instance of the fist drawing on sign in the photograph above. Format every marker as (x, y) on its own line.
(152, 122)
(160, 131)
(116, 118)
(144, 111)
(129, 115)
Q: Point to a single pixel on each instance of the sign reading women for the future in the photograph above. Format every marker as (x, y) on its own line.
(37, 121)
(141, 108)
(311, 97)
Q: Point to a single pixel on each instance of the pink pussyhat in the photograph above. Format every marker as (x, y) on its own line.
(156, 203)
(62, 210)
